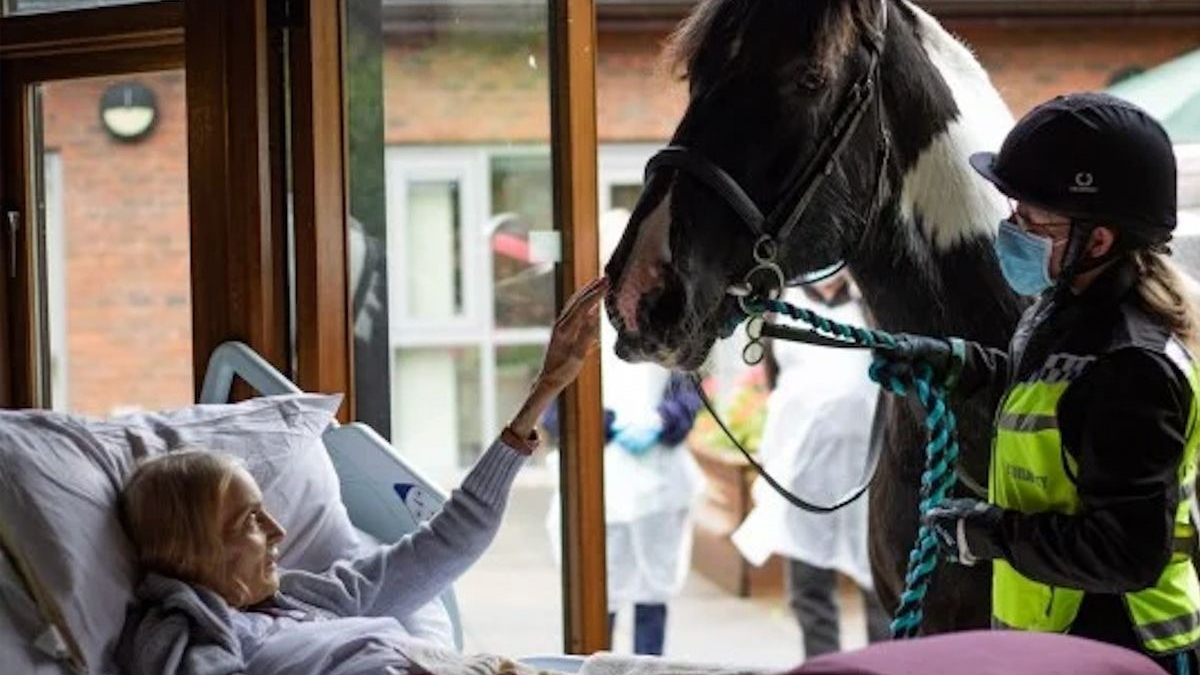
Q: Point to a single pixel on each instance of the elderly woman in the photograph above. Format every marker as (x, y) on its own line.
(214, 601)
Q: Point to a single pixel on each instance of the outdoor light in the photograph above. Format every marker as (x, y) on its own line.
(128, 111)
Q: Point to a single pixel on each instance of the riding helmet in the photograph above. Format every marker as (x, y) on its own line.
(1095, 158)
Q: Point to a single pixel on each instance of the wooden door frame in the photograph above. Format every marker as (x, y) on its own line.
(324, 344)
(239, 150)
(574, 147)
(238, 228)
(40, 48)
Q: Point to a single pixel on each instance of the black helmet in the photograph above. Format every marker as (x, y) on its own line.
(1095, 158)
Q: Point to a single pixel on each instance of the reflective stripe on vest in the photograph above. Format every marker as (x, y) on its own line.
(1030, 474)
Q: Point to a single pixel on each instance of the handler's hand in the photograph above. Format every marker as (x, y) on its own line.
(966, 530)
(945, 357)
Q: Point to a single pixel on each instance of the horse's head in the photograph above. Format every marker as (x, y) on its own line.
(770, 81)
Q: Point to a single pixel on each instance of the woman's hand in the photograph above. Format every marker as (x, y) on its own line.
(576, 333)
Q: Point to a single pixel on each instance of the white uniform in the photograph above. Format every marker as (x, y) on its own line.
(815, 442)
(647, 497)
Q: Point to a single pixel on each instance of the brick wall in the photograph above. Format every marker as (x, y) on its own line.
(469, 90)
(1031, 64)
(124, 212)
(455, 91)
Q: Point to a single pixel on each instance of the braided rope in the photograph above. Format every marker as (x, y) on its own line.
(941, 449)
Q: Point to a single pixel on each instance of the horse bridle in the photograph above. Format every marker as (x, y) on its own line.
(774, 229)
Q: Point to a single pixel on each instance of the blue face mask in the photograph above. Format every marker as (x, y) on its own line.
(1024, 258)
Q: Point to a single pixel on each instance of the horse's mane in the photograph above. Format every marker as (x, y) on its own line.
(828, 28)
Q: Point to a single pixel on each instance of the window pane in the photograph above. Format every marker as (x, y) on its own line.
(625, 196)
(516, 367)
(450, 183)
(13, 7)
(523, 287)
(117, 295)
(433, 264)
(435, 404)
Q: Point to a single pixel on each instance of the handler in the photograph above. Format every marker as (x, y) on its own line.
(1094, 452)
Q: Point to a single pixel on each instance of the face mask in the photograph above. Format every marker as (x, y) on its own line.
(1024, 258)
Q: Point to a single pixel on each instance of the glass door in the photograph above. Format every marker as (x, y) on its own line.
(450, 184)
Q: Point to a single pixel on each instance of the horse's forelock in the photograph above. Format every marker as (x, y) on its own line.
(829, 26)
(684, 46)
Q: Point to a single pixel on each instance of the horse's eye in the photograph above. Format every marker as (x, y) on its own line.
(811, 79)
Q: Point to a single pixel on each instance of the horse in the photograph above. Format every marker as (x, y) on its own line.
(850, 123)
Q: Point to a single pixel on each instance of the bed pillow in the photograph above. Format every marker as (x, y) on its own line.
(279, 439)
(26, 641)
(58, 493)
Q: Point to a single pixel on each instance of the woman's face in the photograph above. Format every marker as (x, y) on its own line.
(250, 536)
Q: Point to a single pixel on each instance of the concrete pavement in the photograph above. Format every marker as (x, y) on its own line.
(511, 604)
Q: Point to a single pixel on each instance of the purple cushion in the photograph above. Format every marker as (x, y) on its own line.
(985, 653)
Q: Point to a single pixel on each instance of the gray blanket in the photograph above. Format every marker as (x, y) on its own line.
(179, 629)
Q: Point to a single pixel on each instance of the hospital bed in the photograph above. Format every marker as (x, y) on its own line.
(385, 498)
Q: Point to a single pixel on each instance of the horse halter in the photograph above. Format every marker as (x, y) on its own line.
(772, 230)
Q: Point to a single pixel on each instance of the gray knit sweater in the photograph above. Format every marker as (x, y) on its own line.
(340, 622)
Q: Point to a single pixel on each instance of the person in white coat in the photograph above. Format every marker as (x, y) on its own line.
(815, 442)
(650, 480)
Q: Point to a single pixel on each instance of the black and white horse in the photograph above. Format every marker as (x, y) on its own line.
(772, 97)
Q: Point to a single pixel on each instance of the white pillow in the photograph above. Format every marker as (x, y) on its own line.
(58, 493)
(20, 627)
(279, 439)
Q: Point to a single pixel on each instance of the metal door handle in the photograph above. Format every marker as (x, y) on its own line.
(14, 224)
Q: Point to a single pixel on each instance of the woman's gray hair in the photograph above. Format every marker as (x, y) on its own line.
(170, 509)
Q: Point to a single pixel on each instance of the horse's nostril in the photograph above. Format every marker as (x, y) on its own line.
(622, 349)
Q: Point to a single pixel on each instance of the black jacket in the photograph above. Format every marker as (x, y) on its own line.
(1124, 421)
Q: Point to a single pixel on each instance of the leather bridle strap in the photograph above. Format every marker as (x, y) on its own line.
(717, 179)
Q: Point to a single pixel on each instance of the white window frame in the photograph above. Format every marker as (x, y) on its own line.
(621, 164)
(408, 165)
(476, 328)
(56, 281)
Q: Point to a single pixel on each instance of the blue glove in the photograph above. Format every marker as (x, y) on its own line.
(967, 530)
(636, 439)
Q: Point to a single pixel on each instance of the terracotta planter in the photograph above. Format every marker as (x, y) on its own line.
(725, 503)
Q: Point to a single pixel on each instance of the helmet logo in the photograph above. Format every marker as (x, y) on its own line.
(1084, 183)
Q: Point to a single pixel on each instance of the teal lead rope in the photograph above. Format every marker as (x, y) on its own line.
(941, 448)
